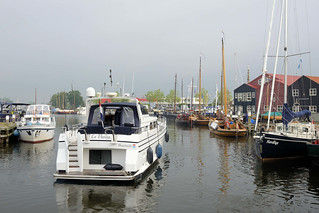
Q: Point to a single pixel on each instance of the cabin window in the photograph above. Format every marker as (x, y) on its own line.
(295, 108)
(100, 157)
(295, 92)
(279, 108)
(313, 109)
(313, 92)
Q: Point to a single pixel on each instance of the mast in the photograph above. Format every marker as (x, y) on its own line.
(275, 67)
(285, 50)
(200, 83)
(265, 65)
(192, 94)
(224, 78)
(216, 97)
(175, 93)
(182, 95)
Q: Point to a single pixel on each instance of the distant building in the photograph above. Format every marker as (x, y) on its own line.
(246, 96)
(303, 94)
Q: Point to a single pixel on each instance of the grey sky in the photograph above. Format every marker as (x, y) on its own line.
(50, 45)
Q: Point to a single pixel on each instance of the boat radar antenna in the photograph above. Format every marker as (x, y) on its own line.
(111, 77)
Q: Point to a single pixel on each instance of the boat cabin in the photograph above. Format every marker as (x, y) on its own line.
(117, 118)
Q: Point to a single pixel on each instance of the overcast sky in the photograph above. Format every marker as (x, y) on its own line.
(51, 44)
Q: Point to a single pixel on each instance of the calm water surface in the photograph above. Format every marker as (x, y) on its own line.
(198, 172)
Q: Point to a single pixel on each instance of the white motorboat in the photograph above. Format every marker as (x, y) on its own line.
(120, 142)
(37, 125)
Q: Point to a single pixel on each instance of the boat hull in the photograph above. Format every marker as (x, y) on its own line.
(313, 153)
(275, 147)
(229, 133)
(36, 134)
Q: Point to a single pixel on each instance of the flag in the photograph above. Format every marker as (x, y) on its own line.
(101, 113)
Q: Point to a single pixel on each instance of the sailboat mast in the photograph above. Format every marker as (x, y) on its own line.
(224, 79)
(200, 82)
(192, 94)
(175, 93)
(265, 65)
(285, 50)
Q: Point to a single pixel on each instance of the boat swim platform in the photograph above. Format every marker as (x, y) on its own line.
(7, 129)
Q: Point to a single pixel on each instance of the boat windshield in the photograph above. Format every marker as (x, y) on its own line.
(114, 116)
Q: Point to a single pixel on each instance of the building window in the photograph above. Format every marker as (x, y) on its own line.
(248, 108)
(253, 108)
(240, 97)
(100, 157)
(244, 96)
(248, 96)
(313, 92)
(295, 92)
(279, 108)
(240, 108)
(313, 109)
(295, 108)
(266, 107)
(236, 108)
(235, 95)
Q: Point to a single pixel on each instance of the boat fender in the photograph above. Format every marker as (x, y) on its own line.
(16, 133)
(149, 155)
(158, 150)
(113, 167)
(166, 136)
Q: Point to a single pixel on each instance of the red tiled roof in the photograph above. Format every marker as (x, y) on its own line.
(281, 78)
(313, 78)
(253, 86)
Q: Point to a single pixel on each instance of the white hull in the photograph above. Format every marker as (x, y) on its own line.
(35, 134)
(120, 146)
(131, 154)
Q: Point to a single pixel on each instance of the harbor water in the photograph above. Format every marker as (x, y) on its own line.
(198, 172)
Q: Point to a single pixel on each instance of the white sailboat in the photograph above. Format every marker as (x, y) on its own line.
(289, 139)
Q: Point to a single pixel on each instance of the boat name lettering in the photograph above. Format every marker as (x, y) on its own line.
(272, 142)
(100, 136)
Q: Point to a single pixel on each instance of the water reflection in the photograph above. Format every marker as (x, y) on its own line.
(110, 198)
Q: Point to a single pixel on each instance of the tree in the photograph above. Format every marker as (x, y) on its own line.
(69, 100)
(229, 98)
(205, 96)
(154, 96)
(171, 97)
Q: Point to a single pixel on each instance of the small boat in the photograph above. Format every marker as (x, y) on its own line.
(274, 116)
(120, 142)
(227, 129)
(37, 125)
(225, 126)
